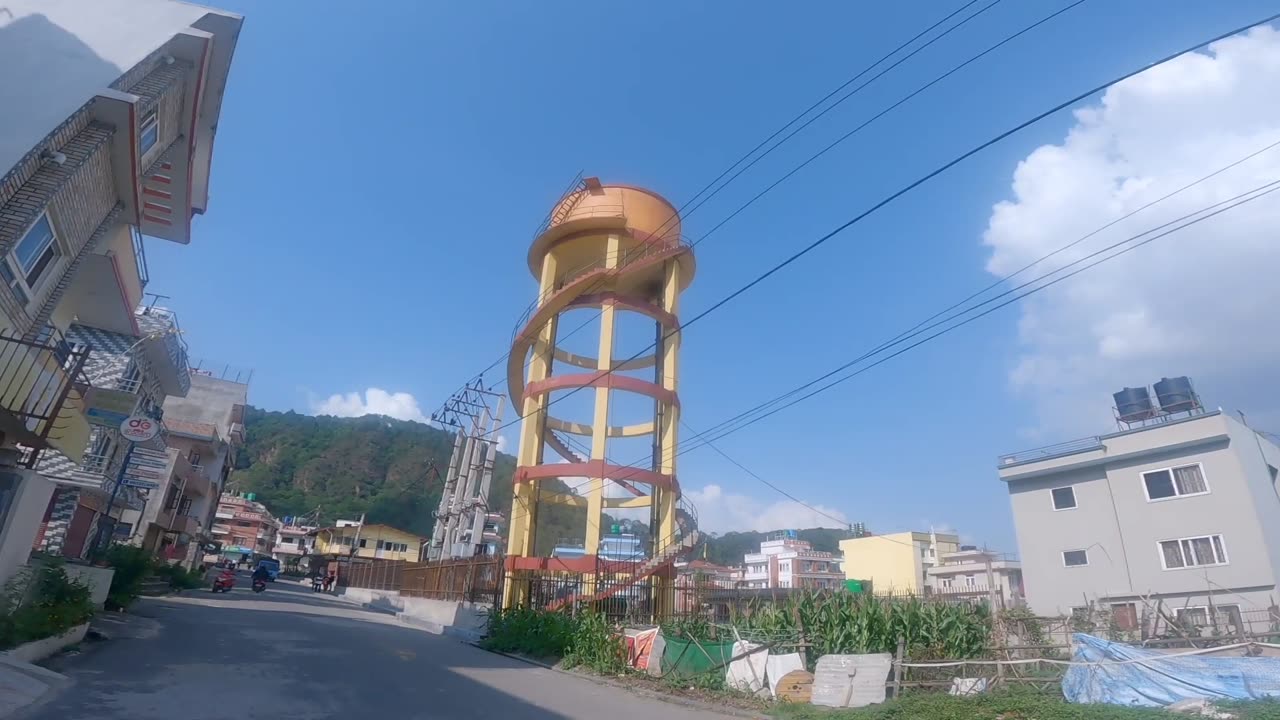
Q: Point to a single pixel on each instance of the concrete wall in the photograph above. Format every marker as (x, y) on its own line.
(97, 578)
(22, 521)
(1121, 529)
(210, 401)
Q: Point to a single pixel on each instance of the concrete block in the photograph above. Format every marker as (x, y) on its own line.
(851, 680)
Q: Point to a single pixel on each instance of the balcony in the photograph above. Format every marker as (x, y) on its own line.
(37, 391)
(109, 283)
(221, 529)
(178, 522)
(195, 482)
(165, 350)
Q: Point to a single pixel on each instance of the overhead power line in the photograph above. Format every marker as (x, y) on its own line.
(1121, 247)
(903, 191)
(857, 76)
(913, 331)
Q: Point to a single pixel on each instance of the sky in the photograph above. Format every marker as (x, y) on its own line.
(379, 174)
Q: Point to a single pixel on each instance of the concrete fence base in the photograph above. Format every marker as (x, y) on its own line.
(465, 620)
(38, 650)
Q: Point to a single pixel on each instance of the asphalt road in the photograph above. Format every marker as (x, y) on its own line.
(291, 654)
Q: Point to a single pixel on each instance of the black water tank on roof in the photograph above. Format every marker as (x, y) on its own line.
(1134, 404)
(1175, 394)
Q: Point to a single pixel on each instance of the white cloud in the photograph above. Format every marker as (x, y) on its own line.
(1201, 302)
(720, 511)
(399, 405)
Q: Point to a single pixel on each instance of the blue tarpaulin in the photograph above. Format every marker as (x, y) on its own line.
(1119, 674)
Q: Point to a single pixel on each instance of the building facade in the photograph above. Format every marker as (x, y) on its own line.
(244, 527)
(206, 426)
(896, 563)
(785, 561)
(128, 373)
(373, 541)
(107, 134)
(971, 573)
(293, 543)
(1181, 511)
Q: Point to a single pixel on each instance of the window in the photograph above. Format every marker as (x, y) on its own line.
(243, 523)
(1193, 552)
(15, 287)
(347, 541)
(1175, 482)
(1125, 616)
(364, 542)
(1064, 498)
(970, 581)
(193, 457)
(150, 131)
(946, 582)
(286, 541)
(1226, 617)
(32, 255)
(1075, 558)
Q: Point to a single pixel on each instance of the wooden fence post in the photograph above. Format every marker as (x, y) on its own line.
(899, 658)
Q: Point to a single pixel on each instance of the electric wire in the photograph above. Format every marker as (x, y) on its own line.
(815, 244)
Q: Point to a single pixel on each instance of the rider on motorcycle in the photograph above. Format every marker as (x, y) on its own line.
(261, 575)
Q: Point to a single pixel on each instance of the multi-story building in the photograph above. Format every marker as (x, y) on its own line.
(971, 573)
(244, 527)
(353, 539)
(1179, 508)
(896, 563)
(293, 542)
(129, 373)
(106, 134)
(786, 561)
(206, 426)
(169, 526)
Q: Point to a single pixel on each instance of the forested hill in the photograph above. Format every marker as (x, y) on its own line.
(376, 465)
(372, 464)
(728, 548)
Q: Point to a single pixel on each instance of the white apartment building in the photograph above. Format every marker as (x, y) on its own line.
(785, 561)
(971, 573)
(1181, 508)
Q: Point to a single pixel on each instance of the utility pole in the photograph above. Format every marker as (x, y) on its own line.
(464, 500)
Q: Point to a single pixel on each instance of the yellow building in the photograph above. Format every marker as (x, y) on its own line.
(897, 563)
(369, 541)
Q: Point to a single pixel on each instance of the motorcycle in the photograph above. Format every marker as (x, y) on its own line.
(259, 585)
(224, 582)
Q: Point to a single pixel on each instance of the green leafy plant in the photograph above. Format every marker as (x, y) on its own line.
(596, 645)
(42, 602)
(132, 567)
(179, 577)
(535, 633)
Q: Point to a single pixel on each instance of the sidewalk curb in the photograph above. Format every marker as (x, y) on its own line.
(642, 692)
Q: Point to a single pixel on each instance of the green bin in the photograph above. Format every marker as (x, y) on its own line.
(685, 658)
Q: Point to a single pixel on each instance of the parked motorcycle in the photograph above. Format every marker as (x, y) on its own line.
(259, 585)
(224, 581)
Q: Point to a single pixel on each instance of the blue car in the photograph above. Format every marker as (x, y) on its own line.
(272, 567)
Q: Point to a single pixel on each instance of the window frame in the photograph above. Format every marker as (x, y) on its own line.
(150, 121)
(1220, 545)
(1053, 499)
(1078, 550)
(1146, 491)
(19, 274)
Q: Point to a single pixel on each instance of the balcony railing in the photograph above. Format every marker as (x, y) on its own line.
(36, 376)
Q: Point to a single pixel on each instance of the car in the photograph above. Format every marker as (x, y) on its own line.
(272, 567)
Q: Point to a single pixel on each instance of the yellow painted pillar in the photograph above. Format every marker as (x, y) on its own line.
(520, 538)
(667, 434)
(600, 419)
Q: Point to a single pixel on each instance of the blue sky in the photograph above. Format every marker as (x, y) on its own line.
(378, 174)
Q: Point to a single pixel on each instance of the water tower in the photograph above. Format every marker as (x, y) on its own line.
(614, 249)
